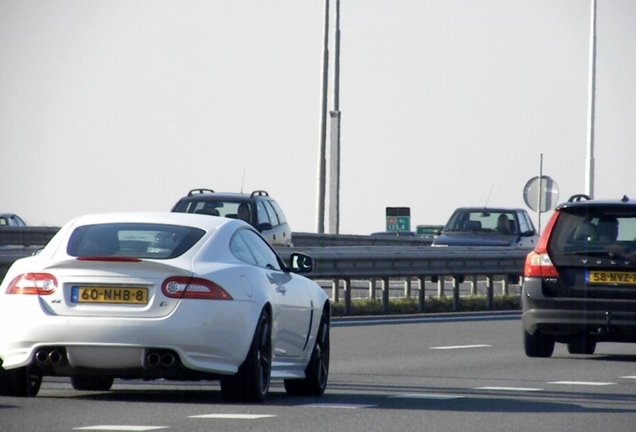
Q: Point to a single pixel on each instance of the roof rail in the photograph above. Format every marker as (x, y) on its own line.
(200, 191)
(579, 197)
(259, 193)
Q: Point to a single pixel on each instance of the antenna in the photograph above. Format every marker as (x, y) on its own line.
(243, 180)
(488, 197)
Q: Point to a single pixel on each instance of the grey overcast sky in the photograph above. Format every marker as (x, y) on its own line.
(126, 105)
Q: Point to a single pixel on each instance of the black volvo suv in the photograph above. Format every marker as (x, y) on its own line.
(579, 284)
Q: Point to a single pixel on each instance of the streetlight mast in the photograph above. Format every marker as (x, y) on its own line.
(589, 180)
(322, 161)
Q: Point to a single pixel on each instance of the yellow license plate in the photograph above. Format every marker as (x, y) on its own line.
(126, 295)
(611, 278)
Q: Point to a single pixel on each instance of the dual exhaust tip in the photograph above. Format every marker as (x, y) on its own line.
(161, 359)
(51, 357)
(55, 357)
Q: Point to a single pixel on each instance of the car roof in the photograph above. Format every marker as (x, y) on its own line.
(489, 209)
(205, 194)
(572, 203)
(206, 222)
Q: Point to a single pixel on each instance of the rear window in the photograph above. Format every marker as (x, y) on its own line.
(229, 209)
(134, 240)
(595, 228)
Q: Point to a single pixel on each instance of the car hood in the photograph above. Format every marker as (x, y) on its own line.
(475, 239)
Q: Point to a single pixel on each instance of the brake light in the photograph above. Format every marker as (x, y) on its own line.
(193, 288)
(108, 258)
(33, 284)
(539, 265)
(538, 262)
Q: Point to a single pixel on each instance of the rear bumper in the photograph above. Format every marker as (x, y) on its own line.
(607, 320)
(205, 336)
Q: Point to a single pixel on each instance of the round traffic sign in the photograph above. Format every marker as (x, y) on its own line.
(544, 187)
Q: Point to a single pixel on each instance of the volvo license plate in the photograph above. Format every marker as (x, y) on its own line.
(611, 277)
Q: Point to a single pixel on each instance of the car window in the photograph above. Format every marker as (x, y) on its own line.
(582, 230)
(525, 224)
(279, 212)
(273, 218)
(264, 255)
(133, 240)
(241, 250)
(261, 213)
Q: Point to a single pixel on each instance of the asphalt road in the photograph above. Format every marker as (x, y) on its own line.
(444, 374)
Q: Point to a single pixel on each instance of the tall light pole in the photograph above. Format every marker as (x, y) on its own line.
(589, 179)
(322, 161)
(334, 154)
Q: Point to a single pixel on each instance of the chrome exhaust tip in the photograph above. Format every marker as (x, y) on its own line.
(42, 357)
(153, 359)
(168, 359)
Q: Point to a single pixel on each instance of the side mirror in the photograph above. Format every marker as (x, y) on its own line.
(528, 233)
(301, 263)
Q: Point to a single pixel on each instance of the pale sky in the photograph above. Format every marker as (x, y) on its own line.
(126, 105)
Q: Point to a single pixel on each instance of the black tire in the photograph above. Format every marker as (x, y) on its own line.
(537, 345)
(583, 344)
(20, 382)
(92, 382)
(317, 370)
(251, 382)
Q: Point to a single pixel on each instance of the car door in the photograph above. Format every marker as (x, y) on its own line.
(292, 312)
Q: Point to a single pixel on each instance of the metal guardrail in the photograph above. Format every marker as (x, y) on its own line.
(302, 239)
(344, 258)
(344, 264)
(27, 236)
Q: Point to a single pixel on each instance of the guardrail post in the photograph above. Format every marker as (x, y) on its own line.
(473, 285)
(456, 283)
(440, 287)
(335, 293)
(385, 295)
(421, 296)
(407, 287)
(347, 296)
(505, 288)
(489, 291)
(372, 289)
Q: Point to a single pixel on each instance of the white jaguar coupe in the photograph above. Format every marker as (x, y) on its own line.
(163, 295)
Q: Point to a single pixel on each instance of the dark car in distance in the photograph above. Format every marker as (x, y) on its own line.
(579, 285)
(257, 208)
(11, 220)
(488, 226)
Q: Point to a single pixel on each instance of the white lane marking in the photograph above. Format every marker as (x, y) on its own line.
(582, 383)
(460, 347)
(521, 389)
(434, 396)
(337, 406)
(629, 377)
(233, 416)
(121, 428)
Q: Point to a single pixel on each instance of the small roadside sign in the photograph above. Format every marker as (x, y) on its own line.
(398, 219)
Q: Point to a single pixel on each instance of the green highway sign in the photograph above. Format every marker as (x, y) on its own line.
(398, 219)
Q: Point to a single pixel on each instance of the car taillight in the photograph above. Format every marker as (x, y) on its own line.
(193, 288)
(538, 262)
(539, 265)
(33, 283)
